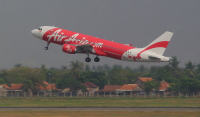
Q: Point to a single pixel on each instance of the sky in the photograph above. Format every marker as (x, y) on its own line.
(136, 22)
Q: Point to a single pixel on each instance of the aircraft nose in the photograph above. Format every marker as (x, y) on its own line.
(33, 32)
(36, 33)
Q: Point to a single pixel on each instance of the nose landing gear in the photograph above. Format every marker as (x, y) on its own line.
(46, 48)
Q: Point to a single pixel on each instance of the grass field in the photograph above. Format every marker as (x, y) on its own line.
(95, 114)
(100, 102)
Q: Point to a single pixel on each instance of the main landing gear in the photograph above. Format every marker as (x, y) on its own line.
(96, 59)
(46, 48)
(88, 59)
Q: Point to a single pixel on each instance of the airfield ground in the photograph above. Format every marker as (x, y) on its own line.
(99, 102)
(96, 114)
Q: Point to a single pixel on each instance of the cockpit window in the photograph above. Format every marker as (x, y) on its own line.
(39, 28)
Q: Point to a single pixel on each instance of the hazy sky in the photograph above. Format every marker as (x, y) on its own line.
(125, 21)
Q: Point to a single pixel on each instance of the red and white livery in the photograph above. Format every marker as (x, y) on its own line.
(73, 42)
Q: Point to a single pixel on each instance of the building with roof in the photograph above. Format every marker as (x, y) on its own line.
(109, 89)
(3, 91)
(127, 89)
(140, 81)
(4, 85)
(130, 89)
(91, 88)
(163, 89)
(15, 90)
(46, 89)
(164, 86)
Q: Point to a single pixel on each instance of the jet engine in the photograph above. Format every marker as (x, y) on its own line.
(69, 49)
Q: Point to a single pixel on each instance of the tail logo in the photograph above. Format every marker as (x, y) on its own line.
(162, 44)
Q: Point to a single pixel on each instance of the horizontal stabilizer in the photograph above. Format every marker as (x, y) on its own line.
(154, 58)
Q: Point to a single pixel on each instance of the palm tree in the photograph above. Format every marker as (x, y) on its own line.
(142, 69)
(198, 68)
(76, 67)
(189, 66)
(100, 68)
(18, 65)
(174, 65)
(87, 68)
(93, 68)
(63, 67)
(106, 67)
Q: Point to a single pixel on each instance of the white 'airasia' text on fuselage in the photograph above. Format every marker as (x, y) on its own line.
(59, 37)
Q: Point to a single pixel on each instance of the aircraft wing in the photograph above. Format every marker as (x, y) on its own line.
(89, 49)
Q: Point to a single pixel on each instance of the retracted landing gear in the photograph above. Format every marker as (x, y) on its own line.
(46, 48)
(96, 59)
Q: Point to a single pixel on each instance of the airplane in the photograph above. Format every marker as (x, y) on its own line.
(73, 42)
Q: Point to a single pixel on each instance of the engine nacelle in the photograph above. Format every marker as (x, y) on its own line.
(69, 49)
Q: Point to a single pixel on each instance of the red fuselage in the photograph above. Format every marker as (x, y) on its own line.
(108, 48)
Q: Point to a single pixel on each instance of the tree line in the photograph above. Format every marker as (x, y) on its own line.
(185, 79)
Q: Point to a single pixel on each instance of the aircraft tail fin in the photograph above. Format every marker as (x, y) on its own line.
(160, 44)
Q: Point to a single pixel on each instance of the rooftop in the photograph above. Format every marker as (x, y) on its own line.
(89, 85)
(15, 87)
(163, 86)
(5, 85)
(128, 87)
(145, 79)
(47, 86)
(110, 88)
(2, 87)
